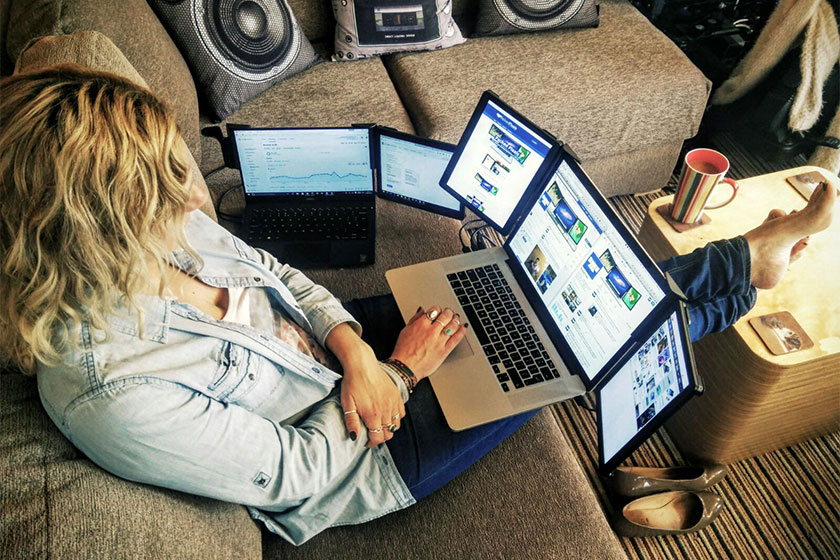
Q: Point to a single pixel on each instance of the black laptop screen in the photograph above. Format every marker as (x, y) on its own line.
(304, 160)
(591, 284)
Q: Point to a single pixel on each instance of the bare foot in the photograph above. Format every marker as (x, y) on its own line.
(799, 246)
(783, 236)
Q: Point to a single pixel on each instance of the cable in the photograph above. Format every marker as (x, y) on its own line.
(464, 247)
(581, 402)
(213, 172)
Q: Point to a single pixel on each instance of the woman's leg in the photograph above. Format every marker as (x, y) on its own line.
(427, 453)
(718, 270)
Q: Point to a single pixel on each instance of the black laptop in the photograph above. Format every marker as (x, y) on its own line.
(310, 192)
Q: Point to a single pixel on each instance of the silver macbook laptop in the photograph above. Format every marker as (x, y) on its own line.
(560, 306)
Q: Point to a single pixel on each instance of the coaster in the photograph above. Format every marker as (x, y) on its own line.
(665, 212)
(781, 333)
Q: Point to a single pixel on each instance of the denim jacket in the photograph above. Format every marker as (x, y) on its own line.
(220, 409)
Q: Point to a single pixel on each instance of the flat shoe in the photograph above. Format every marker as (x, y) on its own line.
(668, 513)
(641, 481)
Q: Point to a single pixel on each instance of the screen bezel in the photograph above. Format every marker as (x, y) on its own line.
(569, 358)
(528, 193)
(305, 196)
(694, 387)
(378, 133)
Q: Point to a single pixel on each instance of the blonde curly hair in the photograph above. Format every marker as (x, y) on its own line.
(94, 184)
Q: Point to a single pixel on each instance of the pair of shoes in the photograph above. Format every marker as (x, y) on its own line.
(681, 506)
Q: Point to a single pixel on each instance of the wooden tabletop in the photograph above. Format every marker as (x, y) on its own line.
(810, 290)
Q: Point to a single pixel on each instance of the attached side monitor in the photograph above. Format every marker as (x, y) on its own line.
(498, 158)
(409, 169)
(653, 382)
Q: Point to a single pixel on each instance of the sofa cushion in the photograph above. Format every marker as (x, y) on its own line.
(242, 51)
(315, 18)
(363, 31)
(95, 51)
(133, 28)
(605, 91)
(54, 503)
(528, 498)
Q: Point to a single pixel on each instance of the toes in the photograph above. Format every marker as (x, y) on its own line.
(798, 248)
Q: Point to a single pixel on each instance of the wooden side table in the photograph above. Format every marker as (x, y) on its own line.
(756, 401)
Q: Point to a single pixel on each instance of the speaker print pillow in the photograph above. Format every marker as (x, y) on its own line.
(502, 17)
(367, 28)
(236, 49)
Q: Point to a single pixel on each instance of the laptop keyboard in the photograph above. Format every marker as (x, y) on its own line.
(300, 222)
(506, 335)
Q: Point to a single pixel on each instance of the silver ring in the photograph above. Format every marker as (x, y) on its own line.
(432, 315)
(395, 417)
(439, 321)
(376, 431)
(448, 332)
(346, 412)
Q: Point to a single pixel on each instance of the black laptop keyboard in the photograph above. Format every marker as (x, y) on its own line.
(506, 335)
(345, 222)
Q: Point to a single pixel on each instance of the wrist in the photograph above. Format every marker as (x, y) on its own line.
(346, 345)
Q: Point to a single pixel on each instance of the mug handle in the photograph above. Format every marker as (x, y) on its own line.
(734, 186)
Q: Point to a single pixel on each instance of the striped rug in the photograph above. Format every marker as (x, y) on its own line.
(784, 504)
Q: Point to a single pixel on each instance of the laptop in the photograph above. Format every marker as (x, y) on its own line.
(310, 192)
(560, 306)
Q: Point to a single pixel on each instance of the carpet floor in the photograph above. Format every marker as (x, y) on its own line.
(784, 504)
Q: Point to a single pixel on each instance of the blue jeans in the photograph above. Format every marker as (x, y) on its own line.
(714, 279)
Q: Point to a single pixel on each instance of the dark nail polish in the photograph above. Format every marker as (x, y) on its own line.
(353, 436)
(466, 325)
(825, 186)
(419, 309)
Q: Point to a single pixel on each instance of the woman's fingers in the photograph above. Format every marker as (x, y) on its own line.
(351, 417)
(456, 337)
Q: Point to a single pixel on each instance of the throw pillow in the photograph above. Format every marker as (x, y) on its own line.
(501, 17)
(237, 48)
(374, 27)
(95, 51)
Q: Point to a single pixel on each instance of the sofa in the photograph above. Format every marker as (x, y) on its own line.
(622, 95)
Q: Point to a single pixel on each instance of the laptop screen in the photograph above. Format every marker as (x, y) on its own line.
(411, 172)
(498, 158)
(593, 286)
(304, 160)
(651, 379)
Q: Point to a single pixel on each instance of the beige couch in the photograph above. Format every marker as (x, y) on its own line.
(622, 95)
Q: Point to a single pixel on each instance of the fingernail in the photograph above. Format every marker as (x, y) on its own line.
(419, 309)
(353, 436)
(466, 325)
(825, 186)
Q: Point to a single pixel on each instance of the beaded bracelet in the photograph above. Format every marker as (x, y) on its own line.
(403, 372)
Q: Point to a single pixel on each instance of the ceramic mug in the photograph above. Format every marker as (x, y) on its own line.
(703, 170)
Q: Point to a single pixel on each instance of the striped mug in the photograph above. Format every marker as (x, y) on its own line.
(702, 170)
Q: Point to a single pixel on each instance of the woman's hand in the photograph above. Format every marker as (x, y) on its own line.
(427, 340)
(368, 394)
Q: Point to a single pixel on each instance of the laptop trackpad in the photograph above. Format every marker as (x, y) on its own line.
(463, 350)
(306, 254)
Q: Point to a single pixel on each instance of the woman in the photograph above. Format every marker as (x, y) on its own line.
(172, 353)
